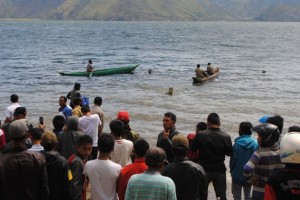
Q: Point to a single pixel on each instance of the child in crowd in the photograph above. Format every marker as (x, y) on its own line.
(36, 134)
(243, 148)
(102, 172)
(77, 161)
(286, 183)
(58, 170)
(265, 160)
(193, 155)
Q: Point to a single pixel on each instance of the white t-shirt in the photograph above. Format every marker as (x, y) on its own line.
(103, 176)
(89, 125)
(122, 151)
(9, 113)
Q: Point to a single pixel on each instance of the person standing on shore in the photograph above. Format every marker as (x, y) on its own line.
(9, 113)
(214, 145)
(74, 93)
(96, 109)
(64, 110)
(164, 139)
(151, 184)
(140, 148)
(265, 161)
(90, 124)
(189, 177)
(243, 149)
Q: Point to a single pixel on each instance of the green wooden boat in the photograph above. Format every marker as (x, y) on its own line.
(102, 72)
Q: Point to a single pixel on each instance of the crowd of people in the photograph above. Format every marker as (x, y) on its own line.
(38, 164)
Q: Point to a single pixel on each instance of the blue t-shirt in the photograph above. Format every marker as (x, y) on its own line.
(65, 111)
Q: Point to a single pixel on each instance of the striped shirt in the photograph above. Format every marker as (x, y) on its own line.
(264, 162)
(150, 186)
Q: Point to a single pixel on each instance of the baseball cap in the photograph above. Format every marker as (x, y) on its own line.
(264, 119)
(123, 115)
(18, 128)
(180, 141)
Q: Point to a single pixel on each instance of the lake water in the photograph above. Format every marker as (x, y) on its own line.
(33, 52)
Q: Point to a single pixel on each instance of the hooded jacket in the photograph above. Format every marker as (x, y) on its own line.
(59, 176)
(243, 149)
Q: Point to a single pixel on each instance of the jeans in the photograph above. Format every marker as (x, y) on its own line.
(236, 189)
(219, 182)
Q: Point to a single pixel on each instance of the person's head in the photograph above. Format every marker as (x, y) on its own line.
(276, 120)
(85, 109)
(77, 101)
(268, 134)
(77, 86)
(169, 121)
(140, 147)
(90, 61)
(155, 158)
(72, 123)
(201, 126)
(14, 98)
(213, 120)
(245, 128)
(98, 101)
(58, 122)
(180, 145)
(116, 127)
(36, 133)
(123, 115)
(20, 113)
(62, 101)
(48, 140)
(84, 145)
(294, 129)
(290, 148)
(198, 65)
(208, 64)
(106, 143)
(18, 130)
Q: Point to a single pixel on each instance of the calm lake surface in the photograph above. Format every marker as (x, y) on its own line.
(33, 52)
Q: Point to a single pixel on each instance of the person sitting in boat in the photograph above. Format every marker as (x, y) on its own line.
(89, 67)
(210, 69)
(200, 73)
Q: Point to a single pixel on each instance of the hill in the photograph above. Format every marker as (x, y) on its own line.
(152, 10)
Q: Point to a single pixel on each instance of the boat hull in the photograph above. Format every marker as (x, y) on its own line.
(203, 80)
(103, 72)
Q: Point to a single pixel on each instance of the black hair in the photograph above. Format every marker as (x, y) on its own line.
(180, 151)
(106, 143)
(198, 65)
(84, 139)
(171, 115)
(208, 63)
(76, 101)
(77, 86)
(201, 126)
(116, 127)
(294, 129)
(63, 97)
(85, 109)
(90, 61)
(245, 128)
(14, 98)
(36, 133)
(213, 118)
(98, 101)
(58, 122)
(140, 147)
(276, 120)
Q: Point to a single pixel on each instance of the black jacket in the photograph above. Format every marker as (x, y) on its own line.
(23, 175)
(59, 176)
(189, 178)
(213, 145)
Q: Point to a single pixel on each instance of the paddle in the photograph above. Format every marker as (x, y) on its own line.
(91, 74)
